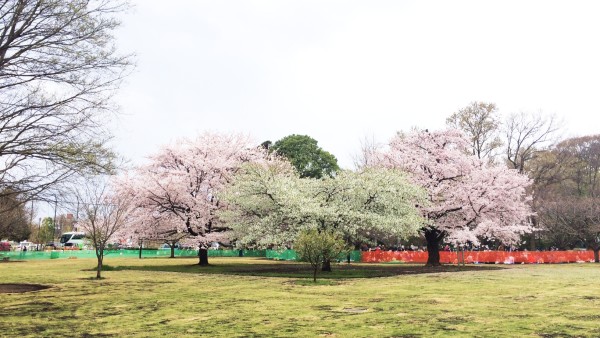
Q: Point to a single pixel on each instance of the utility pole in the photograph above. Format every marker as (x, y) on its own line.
(77, 215)
(54, 221)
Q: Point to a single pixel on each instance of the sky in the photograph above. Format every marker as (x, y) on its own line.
(340, 71)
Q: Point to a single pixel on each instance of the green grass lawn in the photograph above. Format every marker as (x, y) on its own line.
(250, 297)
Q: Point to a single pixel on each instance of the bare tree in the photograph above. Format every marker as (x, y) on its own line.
(368, 150)
(103, 214)
(526, 135)
(573, 220)
(58, 70)
(480, 122)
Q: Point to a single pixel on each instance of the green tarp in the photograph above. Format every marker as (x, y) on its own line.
(28, 255)
(287, 255)
(290, 255)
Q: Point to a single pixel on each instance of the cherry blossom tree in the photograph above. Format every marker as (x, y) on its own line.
(150, 225)
(269, 205)
(178, 187)
(469, 199)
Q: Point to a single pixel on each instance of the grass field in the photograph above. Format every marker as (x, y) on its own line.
(245, 297)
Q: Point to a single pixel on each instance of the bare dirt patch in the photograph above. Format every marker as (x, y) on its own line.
(20, 288)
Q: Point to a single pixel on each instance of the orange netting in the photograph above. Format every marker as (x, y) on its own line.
(497, 257)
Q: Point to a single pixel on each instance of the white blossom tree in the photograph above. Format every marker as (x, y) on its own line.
(469, 199)
(269, 205)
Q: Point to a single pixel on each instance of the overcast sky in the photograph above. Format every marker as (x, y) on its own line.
(340, 70)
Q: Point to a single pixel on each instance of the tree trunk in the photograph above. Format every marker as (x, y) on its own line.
(99, 267)
(141, 245)
(434, 238)
(597, 255)
(172, 251)
(203, 257)
(326, 266)
(315, 274)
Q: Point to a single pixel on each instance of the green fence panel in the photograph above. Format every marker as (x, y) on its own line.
(254, 253)
(285, 255)
(236, 253)
(291, 255)
(146, 253)
(223, 253)
(356, 256)
(288, 255)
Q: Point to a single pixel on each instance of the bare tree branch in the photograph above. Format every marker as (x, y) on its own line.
(58, 70)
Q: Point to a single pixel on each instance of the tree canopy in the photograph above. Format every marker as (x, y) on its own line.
(269, 205)
(58, 70)
(306, 156)
(568, 185)
(481, 124)
(14, 221)
(470, 199)
(177, 191)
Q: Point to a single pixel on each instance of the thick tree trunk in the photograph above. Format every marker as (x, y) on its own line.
(172, 251)
(326, 266)
(434, 238)
(315, 274)
(203, 256)
(140, 253)
(597, 255)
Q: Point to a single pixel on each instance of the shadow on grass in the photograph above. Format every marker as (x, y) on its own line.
(104, 268)
(300, 270)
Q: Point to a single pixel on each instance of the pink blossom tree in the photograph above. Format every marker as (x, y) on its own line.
(469, 199)
(178, 187)
(150, 225)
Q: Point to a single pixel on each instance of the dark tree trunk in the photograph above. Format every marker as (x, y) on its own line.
(326, 266)
(140, 253)
(99, 267)
(597, 255)
(434, 238)
(172, 251)
(203, 256)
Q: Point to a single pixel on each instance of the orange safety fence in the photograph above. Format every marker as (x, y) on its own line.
(475, 257)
